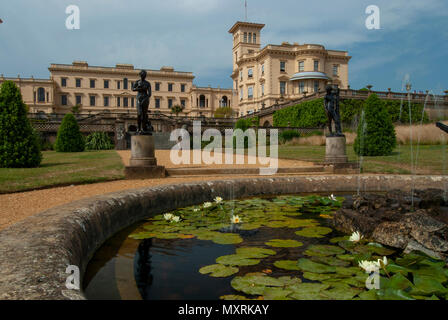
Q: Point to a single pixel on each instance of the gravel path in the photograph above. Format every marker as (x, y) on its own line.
(18, 206)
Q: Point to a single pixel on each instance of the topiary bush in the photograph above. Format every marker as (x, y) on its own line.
(19, 144)
(99, 141)
(376, 132)
(69, 137)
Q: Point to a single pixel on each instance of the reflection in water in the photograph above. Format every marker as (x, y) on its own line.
(142, 267)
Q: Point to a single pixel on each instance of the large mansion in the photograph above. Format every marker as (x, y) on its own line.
(261, 77)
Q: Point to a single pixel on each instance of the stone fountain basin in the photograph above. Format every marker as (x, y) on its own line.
(36, 252)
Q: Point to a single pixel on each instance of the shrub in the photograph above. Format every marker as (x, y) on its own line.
(376, 132)
(99, 141)
(19, 144)
(310, 114)
(69, 137)
(224, 112)
(288, 135)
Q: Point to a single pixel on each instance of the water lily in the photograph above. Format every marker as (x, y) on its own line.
(356, 237)
(218, 200)
(332, 197)
(175, 219)
(168, 216)
(207, 205)
(235, 219)
(196, 210)
(368, 266)
(382, 263)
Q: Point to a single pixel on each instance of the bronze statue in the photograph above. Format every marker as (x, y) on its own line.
(331, 103)
(143, 88)
(442, 127)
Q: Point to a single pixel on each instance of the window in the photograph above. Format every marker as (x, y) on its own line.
(335, 70)
(118, 85)
(78, 83)
(170, 87)
(183, 103)
(241, 75)
(241, 94)
(41, 95)
(125, 83)
(182, 87)
(316, 86)
(250, 73)
(250, 37)
(282, 66)
(245, 36)
(157, 103)
(92, 83)
(92, 101)
(78, 99)
(63, 82)
(255, 38)
(106, 101)
(262, 89)
(170, 103)
(132, 102)
(301, 86)
(106, 84)
(316, 65)
(202, 101)
(157, 86)
(282, 87)
(125, 102)
(301, 66)
(262, 69)
(64, 100)
(118, 102)
(250, 92)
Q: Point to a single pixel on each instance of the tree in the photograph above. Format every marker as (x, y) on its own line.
(224, 112)
(76, 109)
(69, 137)
(19, 144)
(376, 132)
(177, 109)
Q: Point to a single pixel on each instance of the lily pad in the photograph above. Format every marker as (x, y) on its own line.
(425, 285)
(287, 265)
(323, 250)
(314, 232)
(306, 265)
(227, 238)
(341, 293)
(254, 285)
(254, 252)
(317, 276)
(237, 260)
(219, 271)
(331, 261)
(271, 294)
(232, 297)
(308, 291)
(279, 243)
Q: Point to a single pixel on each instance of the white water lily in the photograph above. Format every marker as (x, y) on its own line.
(369, 266)
(208, 205)
(196, 210)
(382, 263)
(235, 219)
(332, 197)
(168, 216)
(356, 237)
(218, 200)
(175, 219)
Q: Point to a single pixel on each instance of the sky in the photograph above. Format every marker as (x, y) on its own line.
(192, 35)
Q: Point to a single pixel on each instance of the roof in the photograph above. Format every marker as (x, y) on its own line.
(245, 24)
(309, 75)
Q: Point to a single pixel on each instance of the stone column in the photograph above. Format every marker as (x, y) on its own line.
(336, 150)
(143, 163)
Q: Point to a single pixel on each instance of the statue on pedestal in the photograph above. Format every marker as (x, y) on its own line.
(143, 88)
(442, 127)
(331, 103)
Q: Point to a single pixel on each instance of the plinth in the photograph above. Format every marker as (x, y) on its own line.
(143, 163)
(336, 150)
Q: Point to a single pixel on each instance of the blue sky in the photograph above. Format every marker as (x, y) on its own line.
(191, 35)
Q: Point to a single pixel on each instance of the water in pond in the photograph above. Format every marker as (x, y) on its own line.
(277, 248)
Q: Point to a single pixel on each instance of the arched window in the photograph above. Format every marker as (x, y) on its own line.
(202, 101)
(224, 101)
(41, 95)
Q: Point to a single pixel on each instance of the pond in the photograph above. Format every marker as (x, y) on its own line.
(277, 248)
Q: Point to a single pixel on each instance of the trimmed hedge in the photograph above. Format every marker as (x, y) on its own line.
(311, 114)
(69, 137)
(376, 132)
(19, 143)
(288, 135)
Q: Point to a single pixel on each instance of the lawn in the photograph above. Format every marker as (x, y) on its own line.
(59, 169)
(430, 159)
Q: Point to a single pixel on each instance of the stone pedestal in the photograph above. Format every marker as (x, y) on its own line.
(336, 150)
(143, 164)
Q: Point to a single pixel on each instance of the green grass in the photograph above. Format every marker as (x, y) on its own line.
(430, 159)
(64, 169)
